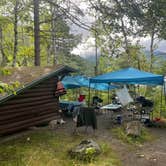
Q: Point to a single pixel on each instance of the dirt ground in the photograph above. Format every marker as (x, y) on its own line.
(149, 154)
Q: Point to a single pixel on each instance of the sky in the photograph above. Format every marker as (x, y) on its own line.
(87, 46)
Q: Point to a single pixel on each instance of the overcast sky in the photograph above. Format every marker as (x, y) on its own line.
(87, 48)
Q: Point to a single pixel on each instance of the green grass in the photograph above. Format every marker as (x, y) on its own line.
(46, 148)
(145, 136)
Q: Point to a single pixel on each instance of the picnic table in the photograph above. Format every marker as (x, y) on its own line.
(68, 106)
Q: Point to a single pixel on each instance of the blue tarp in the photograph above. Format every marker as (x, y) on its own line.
(129, 76)
(71, 82)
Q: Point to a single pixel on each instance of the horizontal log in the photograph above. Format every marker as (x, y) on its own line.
(25, 126)
(7, 107)
(27, 121)
(26, 109)
(47, 84)
(8, 120)
(36, 90)
(13, 115)
(28, 100)
(32, 92)
(29, 95)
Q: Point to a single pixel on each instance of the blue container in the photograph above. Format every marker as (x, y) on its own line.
(119, 119)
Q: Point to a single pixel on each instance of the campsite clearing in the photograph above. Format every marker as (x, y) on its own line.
(44, 147)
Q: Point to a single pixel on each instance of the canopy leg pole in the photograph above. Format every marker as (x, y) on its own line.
(108, 93)
(89, 96)
(164, 93)
(135, 93)
(138, 90)
(161, 101)
(76, 95)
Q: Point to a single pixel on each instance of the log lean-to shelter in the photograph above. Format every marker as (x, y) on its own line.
(33, 104)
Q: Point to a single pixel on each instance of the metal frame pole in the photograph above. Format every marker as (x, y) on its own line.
(161, 103)
(89, 95)
(165, 92)
(108, 93)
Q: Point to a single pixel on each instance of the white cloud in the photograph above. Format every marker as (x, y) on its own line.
(86, 48)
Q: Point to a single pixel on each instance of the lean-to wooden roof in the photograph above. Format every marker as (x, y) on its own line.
(30, 76)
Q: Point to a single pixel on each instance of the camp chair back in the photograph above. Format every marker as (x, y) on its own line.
(87, 117)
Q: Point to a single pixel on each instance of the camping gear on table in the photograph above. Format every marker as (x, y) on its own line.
(97, 102)
(145, 102)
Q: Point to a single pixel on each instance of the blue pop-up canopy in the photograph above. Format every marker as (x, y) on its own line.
(71, 82)
(129, 76)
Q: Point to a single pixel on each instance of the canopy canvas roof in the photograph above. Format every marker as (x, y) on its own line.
(129, 76)
(71, 82)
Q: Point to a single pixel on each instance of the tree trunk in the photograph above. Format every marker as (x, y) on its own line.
(4, 59)
(36, 33)
(15, 33)
(151, 50)
(96, 55)
(48, 55)
(124, 34)
(53, 34)
(126, 42)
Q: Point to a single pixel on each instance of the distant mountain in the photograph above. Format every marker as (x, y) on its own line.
(160, 53)
(157, 53)
(90, 58)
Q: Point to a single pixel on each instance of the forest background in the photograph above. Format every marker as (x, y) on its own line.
(38, 33)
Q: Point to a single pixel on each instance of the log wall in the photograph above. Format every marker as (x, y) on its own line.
(34, 106)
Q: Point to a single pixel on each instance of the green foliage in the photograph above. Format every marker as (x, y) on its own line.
(9, 88)
(145, 136)
(137, 57)
(153, 19)
(88, 156)
(65, 40)
(5, 72)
